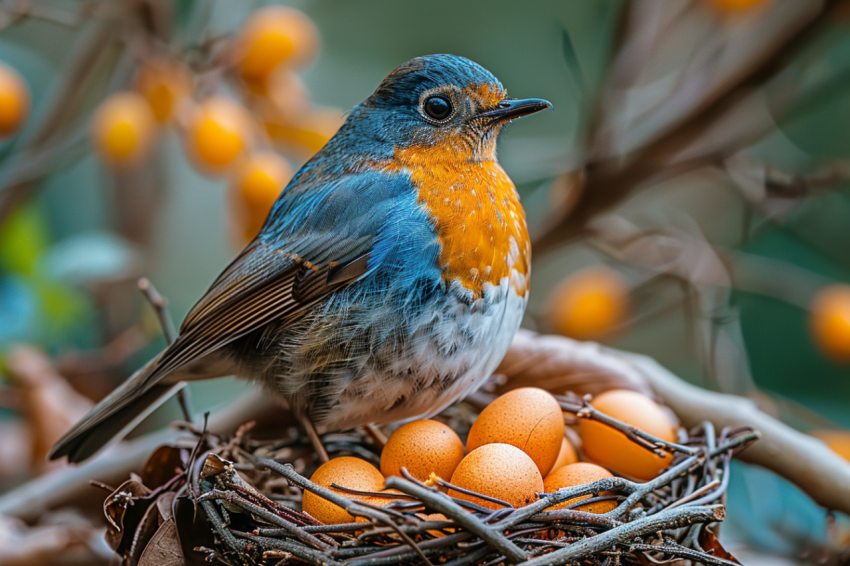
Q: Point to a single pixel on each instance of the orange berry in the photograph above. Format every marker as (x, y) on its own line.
(123, 129)
(307, 133)
(14, 100)
(257, 184)
(219, 130)
(423, 448)
(579, 473)
(829, 321)
(613, 449)
(345, 471)
(590, 304)
(736, 6)
(274, 36)
(164, 83)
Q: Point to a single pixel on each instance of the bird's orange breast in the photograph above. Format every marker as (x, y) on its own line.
(479, 220)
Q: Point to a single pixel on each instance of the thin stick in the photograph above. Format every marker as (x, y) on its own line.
(443, 503)
(668, 519)
(376, 434)
(314, 439)
(168, 331)
(585, 410)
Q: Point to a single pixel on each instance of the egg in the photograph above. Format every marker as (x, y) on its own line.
(500, 471)
(345, 471)
(423, 447)
(435, 517)
(567, 455)
(579, 473)
(528, 418)
(613, 449)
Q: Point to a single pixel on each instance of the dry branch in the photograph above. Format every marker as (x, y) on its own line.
(799, 458)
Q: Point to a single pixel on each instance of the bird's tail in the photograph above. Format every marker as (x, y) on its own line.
(115, 416)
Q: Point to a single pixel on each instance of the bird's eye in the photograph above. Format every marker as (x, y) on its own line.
(437, 107)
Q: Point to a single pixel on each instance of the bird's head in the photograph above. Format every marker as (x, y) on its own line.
(443, 101)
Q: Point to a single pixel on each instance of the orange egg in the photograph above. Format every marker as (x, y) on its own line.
(423, 447)
(275, 36)
(830, 321)
(614, 450)
(165, 84)
(123, 129)
(434, 517)
(14, 100)
(837, 440)
(345, 471)
(256, 185)
(219, 130)
(380, 502)
(589, 305)
(528, 418)
(567, 455)
(501, 471)
(579, 473)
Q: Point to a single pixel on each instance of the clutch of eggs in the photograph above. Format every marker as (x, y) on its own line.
(517, 448)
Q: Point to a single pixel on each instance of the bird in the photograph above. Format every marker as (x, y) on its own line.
(387, 281)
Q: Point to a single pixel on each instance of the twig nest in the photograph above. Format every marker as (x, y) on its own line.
(579, 473)
(14, 100)
(123, 130)
(613, 449)
(346, 471)
(527, 418)
(424, 448)
(500, 471)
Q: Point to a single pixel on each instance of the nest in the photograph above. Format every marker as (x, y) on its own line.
(237, 501)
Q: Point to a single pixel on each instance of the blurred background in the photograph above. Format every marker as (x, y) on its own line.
(687, 198)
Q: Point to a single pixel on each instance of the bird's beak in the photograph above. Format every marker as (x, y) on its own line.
(511, 108)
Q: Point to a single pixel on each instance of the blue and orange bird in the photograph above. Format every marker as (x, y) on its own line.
(387, 281)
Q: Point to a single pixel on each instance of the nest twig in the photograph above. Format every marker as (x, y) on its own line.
(249, 497)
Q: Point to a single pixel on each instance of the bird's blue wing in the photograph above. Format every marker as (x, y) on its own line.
(320, 236)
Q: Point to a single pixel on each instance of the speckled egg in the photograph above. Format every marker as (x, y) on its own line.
(579, 473)
(345, 471)
(423, 447)
(528, 418)
(614, 450)
(500, 471)
(567, 455)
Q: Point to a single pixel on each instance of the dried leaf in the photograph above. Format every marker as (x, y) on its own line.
(142, 535)
(583, 367)
(709, 542)
(165, 463)
(165, 504)
(193, 530)
(124, 509)
(164, 548)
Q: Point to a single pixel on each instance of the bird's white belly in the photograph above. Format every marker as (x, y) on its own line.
(450, 353)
